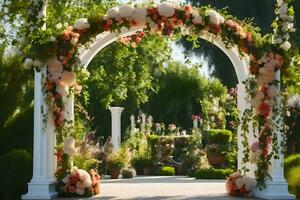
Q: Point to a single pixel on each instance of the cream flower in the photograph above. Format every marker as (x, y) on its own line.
(272, 91)
(257, 99)
(166, 9)
(54, 65)
(249, 182)
(74, 170)
(59, 26)
(62, 89)
(54, 77)
(66, 179)
(286, 45)
(68, 78)
(126, 10)
(79, 191)
(85, 177)
(197, 19)
(82, 24)
(140, 15)
(235, 175)
(28, 63)
(294, 102)
(113, 12)
(239, 183)
(69, 146)
(215, 17)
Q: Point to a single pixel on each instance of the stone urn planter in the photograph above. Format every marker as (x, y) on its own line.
(115, 173)
(217, 160)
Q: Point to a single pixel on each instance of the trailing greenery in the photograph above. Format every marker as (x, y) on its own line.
(211, 173)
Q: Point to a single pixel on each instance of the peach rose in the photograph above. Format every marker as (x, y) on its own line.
(68, 78)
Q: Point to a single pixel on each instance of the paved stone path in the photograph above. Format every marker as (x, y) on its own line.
(163, 188)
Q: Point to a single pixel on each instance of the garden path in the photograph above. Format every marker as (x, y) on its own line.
(163, 188)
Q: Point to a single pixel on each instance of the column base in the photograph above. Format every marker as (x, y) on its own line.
(274, 190)
(41, 189)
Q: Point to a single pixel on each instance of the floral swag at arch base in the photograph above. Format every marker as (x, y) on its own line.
(267, 56)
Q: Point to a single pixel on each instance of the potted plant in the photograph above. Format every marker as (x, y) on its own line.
(142, 164)
(218, 143)
(115, 163)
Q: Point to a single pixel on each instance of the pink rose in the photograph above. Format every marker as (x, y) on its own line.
(254, 146)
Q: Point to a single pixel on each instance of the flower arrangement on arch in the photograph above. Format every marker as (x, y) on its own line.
(239, 185)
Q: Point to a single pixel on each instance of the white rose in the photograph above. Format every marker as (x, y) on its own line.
(272, 91)
(140, 15)
(113, 12)
(69, 146)
(286, 45)
(215, 17)
(85, 177)
(153, 26)
(28, 63)
(126, 10)
(68, 78)
(166, 9)
(52, 39)
(235, 175)
(62, 89)
(79, 191)
(59, 26)
(283, 10)
(239, 183)
(66, 179)
(54, 65)
(197, 19)
(279, 2)
(81, 24)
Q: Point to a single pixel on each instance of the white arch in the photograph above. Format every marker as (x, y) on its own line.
(240, 63)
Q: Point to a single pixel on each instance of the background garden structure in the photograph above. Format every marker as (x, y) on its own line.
(170, 94)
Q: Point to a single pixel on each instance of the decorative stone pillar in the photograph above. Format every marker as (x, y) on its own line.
(277, 188)
(116, 126)
(132, 124)
(42, 184)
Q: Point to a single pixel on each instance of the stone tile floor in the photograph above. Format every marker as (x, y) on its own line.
(162, 188)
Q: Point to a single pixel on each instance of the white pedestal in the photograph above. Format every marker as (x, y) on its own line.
(274, 190)
(41, 189)
(116, 126)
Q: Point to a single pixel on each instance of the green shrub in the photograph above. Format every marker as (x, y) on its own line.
(128, 173)
(219, 136)
(15, 173)
(84, 163)
(140, 162)
(166, 171)
(291, 162)
(293, 179)
(211, 173)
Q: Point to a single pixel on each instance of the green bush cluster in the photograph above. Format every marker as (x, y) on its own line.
(219, 136)
(166, 171)
(292, 173)
(211, 173)
(15, 173)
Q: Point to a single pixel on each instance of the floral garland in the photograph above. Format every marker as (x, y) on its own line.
(167, 19)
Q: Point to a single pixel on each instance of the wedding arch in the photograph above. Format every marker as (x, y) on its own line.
(257, 62)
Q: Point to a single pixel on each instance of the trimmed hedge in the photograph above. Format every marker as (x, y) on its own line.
(211, 173)
(219, 136)
(290, 162)
(293, 178)
(166, 171)
(15, 173)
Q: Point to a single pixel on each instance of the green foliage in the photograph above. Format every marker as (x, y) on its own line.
(219, 136)
(211, 173)
(291, 162)
(128, 173)
(293, 179)
(166, 171)
(119, 159)
(140, 162)
(15, 172)
(86, 164)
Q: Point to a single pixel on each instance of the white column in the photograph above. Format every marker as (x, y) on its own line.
(143, 121)
(277, 188)
(195, 123)
(132, 124)
(116, 126)
(42, 184)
